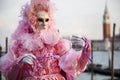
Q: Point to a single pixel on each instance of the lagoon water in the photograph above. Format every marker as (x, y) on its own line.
(101, 57)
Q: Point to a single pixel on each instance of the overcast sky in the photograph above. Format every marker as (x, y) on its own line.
(78, 17)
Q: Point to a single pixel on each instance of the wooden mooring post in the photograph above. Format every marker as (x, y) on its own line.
(6, 44)
(1, 52)
(0, 56)
(92, 72)
(112, 76)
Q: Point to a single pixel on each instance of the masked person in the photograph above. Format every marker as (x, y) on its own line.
(37, 52)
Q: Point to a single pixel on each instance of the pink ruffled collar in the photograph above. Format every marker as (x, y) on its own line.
(32, 42)
(49, 37)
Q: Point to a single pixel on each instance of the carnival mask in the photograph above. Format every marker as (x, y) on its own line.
(42, 20)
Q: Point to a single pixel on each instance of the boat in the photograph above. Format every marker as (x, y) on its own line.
(97, 68)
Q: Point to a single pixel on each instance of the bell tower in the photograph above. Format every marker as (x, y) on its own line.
(106, 24)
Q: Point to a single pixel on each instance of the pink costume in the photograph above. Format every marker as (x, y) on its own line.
(55, 58)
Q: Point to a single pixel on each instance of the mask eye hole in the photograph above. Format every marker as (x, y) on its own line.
(47, 20)
(40, 20)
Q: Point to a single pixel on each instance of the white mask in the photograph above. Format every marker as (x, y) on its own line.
(42, 20)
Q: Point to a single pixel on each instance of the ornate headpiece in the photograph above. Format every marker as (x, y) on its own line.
(38, 5)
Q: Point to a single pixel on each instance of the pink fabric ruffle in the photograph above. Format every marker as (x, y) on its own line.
(68, 62)
(63, 46)
(49, 37)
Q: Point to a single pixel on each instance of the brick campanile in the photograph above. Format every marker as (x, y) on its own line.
(106, 24)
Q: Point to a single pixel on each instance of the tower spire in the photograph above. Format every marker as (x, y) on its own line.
(106, 8)
(106, 22)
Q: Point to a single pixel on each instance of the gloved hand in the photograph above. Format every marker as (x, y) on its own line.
(28, 58)
(78, 44)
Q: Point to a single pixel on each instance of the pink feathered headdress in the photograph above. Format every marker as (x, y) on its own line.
(28, 14)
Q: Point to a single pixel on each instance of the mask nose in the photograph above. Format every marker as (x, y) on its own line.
(44, 24)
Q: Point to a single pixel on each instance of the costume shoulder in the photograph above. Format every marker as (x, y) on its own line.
(63, 46)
